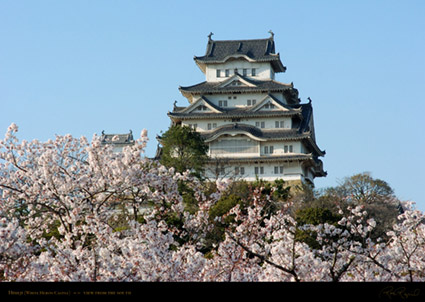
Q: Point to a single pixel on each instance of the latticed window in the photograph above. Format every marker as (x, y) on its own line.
(234, 146)
(279, 124)
(239, 170)
(211, 126)
(258, 170)
(202, 108)
(288, 148)
(278, 170)
(268, 149)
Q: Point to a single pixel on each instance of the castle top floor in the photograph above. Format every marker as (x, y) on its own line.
(251, 58)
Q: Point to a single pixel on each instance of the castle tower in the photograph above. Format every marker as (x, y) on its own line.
(255, 126)
(117, 141)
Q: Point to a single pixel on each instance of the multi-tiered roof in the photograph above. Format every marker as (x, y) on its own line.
(278, 100)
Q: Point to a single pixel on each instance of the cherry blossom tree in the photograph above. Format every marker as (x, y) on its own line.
(71, 210)
(75, 187)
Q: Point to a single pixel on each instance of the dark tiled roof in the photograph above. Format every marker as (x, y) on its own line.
(260, 50)
(300, 131)
(215, 87)
(301, 117)
(286, 134)
(230, 113)
(307, 111)
(302, 110)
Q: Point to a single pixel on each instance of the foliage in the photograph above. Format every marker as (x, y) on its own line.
(277, 188)
(362, 188)
(313, 216)
(183, 149)
(71, 210)
(375, 195)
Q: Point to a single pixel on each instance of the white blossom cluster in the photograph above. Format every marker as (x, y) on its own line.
(61, 219)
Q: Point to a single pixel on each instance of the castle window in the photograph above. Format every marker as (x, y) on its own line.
(259, 170)
(278, 170)
(288, 149)
(233, 146)
(222, 103)
(268, 149)
(269, 106)
(253, 72)
(218, 73)
(279, 124)
(245, 72)
(239, 170)
(227, 72)
(260, 124)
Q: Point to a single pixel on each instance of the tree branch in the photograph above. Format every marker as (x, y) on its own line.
(263, 258)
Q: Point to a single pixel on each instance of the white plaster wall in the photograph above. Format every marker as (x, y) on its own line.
(264, 71)
(202, 125)
(278, 147)
(239, 102)
(291, 171)
(269, 123)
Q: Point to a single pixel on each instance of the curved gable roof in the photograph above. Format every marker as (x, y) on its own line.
(258, 50)
(202, 101)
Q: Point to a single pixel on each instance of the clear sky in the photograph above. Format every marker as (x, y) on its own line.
(81, 67)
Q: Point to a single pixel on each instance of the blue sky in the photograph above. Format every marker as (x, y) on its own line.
(81, 67)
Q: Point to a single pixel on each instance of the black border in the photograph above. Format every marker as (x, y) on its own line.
(372, 291)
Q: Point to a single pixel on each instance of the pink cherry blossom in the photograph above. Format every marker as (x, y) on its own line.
(73, 210)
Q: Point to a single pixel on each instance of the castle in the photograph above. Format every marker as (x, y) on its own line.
(255, 126)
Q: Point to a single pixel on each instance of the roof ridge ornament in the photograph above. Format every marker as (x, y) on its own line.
(239, 47)
(271, 34)
(210, 35)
